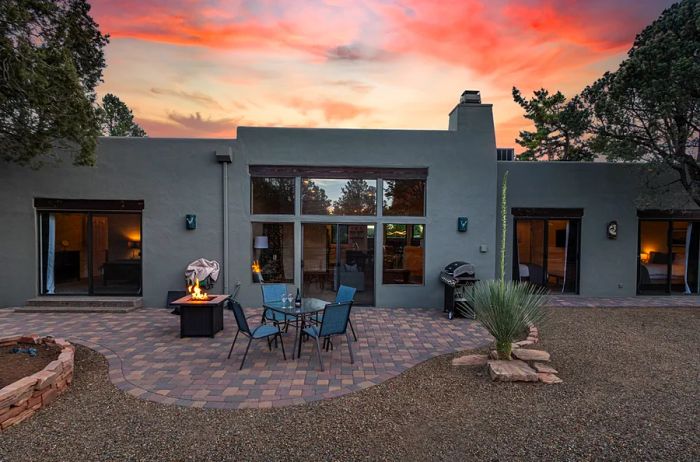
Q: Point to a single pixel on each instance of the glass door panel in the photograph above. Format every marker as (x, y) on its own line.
(335, 255)
(116, 253)
(318, 261)
(64, 253)
(654, 256)
(547, 253)
(356, 261)
(531, 248)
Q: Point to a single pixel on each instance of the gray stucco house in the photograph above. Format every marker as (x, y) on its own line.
(374, 209)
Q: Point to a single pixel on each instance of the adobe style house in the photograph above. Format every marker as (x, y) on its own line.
(374, 209)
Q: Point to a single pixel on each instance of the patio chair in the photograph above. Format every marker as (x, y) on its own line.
(344, 294)
(347, 294)
(334, 323)
(172, 296)
(263, 331)
(273, 293)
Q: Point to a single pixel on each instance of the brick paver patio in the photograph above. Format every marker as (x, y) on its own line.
(148, 359)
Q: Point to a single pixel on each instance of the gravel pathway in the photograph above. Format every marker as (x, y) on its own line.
(630, 392)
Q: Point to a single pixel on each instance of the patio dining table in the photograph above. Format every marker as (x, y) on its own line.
(309, 307)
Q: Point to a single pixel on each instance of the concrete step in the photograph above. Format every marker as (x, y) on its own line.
(81, 304)
(74, 309)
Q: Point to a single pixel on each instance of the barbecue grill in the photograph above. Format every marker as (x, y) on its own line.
(456, 277)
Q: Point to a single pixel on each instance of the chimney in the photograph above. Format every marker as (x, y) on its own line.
(471, 116)
(470, 97)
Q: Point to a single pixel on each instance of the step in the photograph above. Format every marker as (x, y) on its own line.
(74, 309)
(81, 304)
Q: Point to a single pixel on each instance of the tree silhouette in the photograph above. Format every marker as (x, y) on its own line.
(273, 195)
(357, 198)
(404, 197)
(314, 199)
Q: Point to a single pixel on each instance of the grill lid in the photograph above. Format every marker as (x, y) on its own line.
(461, 269)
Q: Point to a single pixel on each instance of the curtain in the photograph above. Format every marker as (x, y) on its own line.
(688, 233)
(51, 255)
(566, 256)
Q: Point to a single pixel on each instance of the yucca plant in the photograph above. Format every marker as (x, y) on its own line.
(506, 309)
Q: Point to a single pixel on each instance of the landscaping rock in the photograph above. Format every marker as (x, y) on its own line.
(470, 360)
(548, 378)
(531, 355)
(511, 371)
(523, 343)
(540, 367)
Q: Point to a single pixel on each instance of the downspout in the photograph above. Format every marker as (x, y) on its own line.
(224, 159)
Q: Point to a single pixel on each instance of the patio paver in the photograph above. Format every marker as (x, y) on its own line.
(148, 360)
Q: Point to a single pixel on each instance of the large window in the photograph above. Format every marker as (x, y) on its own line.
(668, 256)
(404, 254)
(273, 196)
(273, 248)
(338, 197)
(404, 198)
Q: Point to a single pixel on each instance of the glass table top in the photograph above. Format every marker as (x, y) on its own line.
(308, 305)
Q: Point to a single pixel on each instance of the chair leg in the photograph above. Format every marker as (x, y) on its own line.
(352, 329)
(269, 343)
(282, 345)
(232, 344)
(318, 350)
(246, 353)
(352, 358)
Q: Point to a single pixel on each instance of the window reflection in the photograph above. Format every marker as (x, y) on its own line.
(404, 198)
(404, 254)
(338, 196)
(272, 195)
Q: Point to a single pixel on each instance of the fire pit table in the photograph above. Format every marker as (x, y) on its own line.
(201, 318)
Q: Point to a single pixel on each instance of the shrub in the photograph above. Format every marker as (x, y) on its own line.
(506, 309)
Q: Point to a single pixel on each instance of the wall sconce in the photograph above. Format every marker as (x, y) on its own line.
(462, 223)
(191, 221)
(611, 230)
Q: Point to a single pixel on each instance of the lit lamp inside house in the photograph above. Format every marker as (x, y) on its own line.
(135, 246)
(260, 243)
(644, 257)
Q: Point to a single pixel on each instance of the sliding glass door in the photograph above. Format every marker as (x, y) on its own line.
(335, 255)
(668, 257)
(547, 253)
(85, 253)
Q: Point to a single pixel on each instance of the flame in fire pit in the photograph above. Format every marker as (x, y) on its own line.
(195, 292)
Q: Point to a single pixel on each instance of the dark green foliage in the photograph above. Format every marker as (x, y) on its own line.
(649, 109)
(357, 198)
(560, 127)
(51, 59)
(116, 119)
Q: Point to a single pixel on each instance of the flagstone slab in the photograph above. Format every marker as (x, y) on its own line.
(511, 371)
(526, 354)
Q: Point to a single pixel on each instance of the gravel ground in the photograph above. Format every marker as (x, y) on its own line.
(630, 393)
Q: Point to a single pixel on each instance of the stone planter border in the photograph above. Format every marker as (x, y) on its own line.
(21, 399)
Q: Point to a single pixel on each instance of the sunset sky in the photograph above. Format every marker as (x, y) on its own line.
(201, 68)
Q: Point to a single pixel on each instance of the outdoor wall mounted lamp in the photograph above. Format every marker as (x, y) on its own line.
(462, 223)
(190, 221)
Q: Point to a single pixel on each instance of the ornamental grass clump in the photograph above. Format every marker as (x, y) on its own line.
(506, 309)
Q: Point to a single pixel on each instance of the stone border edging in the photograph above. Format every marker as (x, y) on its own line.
(22, 398)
